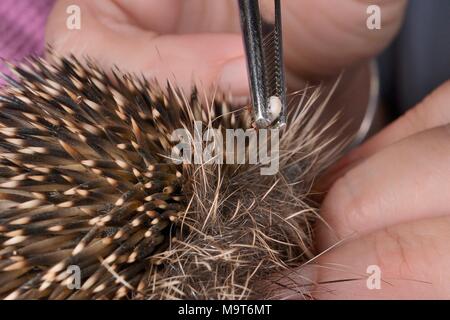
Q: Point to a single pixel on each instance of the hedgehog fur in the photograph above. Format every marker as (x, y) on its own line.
(85, 180)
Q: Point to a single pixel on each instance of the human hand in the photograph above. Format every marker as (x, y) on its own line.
(198, 41)
(389, 205)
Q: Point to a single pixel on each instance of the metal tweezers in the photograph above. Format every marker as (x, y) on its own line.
(264, 50)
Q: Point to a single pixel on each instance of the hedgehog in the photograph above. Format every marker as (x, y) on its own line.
(87, 180)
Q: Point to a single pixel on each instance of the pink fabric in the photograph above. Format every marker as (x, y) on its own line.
(22, 29)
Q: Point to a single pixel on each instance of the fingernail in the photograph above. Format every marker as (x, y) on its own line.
(233, 78)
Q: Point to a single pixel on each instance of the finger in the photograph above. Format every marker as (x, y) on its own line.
(411, 259)
(322, 37)
(431, 112)
(405, 181)
(110, 38)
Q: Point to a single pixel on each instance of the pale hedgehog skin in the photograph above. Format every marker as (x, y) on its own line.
(85, 180)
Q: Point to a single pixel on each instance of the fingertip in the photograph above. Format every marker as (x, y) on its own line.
(233, 78)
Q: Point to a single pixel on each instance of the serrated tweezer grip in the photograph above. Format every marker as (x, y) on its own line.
(264, 50)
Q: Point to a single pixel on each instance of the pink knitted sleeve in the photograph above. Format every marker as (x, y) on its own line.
(22, 28)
